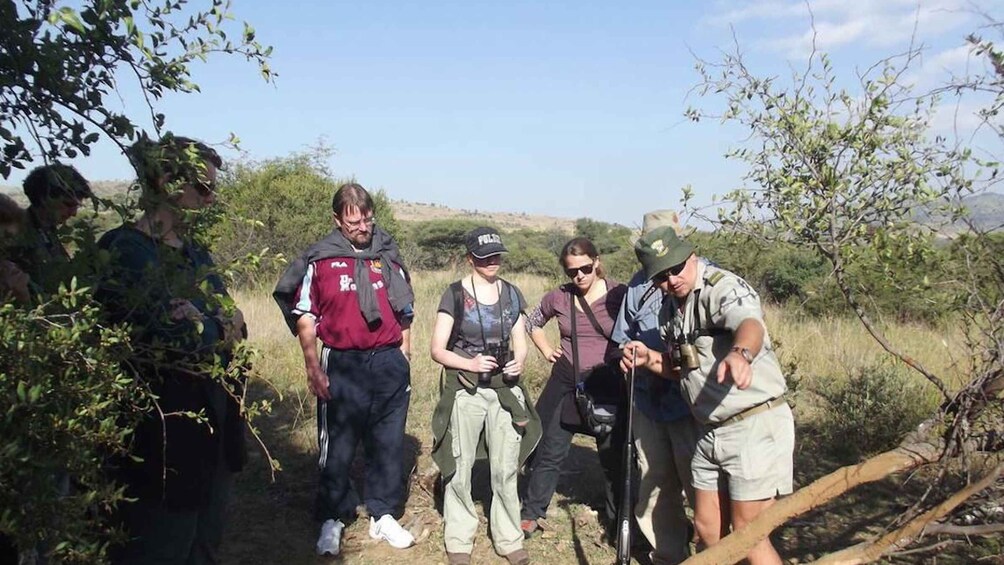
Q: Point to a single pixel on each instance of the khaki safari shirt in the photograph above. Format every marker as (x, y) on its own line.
(726, 300)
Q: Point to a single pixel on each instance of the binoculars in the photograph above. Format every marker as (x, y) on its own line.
(502, 355)
(684, 356)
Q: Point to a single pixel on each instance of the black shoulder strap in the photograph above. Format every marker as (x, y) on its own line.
(506, 294)
(505, 299)
(575, 338)
(457, 289)
(507, 290)
(645, 295)
(591, 316)
(698, 330)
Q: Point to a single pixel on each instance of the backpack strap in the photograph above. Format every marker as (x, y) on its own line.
(457, 289)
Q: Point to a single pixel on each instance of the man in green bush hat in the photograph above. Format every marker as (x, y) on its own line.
(719, 350)
(664, 430)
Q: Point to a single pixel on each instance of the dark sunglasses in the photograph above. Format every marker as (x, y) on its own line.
(675, 271)
(586, 270)
(204, 188)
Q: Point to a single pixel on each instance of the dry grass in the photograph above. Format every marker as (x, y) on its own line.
(835, 347)
(271, 522)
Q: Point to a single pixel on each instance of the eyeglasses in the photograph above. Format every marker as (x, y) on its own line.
(368, 221)
(674, 271)
(573, 272)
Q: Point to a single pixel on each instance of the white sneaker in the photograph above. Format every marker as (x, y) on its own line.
(330, 541)
(387, 528)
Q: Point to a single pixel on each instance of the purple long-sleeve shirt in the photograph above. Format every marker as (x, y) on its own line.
(593, 346)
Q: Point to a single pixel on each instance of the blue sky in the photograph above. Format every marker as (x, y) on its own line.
(562, 108)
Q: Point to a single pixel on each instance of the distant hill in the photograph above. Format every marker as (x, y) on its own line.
(103, 188)
(986, 212)
(403, 210)
(418, 212)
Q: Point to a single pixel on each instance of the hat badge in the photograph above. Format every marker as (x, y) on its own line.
(659, 247)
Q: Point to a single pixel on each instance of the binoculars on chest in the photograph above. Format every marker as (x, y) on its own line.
(502, 355)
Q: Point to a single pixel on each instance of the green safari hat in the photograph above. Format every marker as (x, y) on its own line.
(661, 249)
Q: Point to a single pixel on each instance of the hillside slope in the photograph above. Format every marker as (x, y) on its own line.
(403, 210)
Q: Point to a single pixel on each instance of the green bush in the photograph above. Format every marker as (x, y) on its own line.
(67, 407)
(282, 205)
(871, 410)
(608, 238)
(789, 273)
(435, 244)
(622, 264)
(526, 257)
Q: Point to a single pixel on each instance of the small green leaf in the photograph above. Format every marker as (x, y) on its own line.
(69, 17)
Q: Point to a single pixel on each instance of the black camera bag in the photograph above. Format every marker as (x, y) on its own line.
(597, 396)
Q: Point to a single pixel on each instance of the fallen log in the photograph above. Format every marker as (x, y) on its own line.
(898, 539)
(735, 546)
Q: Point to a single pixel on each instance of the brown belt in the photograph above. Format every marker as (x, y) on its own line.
(769, 405)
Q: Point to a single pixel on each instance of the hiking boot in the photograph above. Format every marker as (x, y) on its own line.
(458, 558)
(330, 540)
(518, 557)
(528, 527)
(387, 529)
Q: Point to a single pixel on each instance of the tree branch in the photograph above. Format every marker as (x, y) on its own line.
(736, 546)
(881, 339)
(897, 539)
(954, 530)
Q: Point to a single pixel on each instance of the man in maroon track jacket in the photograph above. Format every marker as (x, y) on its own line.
(351, 291)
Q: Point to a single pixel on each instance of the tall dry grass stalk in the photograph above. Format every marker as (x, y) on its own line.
(834, 347)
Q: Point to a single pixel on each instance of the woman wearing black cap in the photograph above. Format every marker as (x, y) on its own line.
(480, 341)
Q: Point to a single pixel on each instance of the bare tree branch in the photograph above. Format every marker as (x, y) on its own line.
(870, 551)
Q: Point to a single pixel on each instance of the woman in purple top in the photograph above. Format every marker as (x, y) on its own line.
(556, 405)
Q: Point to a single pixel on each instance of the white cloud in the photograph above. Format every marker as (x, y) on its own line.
(957, 120)
(765, 9)
(843, 23)
(939, 67)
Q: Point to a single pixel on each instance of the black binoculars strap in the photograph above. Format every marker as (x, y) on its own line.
(698, 330)
(481, 323)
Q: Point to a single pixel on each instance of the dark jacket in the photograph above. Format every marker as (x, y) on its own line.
(179, 455)
(41, 255)
(333, 245)
(524, 419)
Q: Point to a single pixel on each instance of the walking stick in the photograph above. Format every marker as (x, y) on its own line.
(626, 511)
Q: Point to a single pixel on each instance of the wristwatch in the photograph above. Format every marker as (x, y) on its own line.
(744, 352)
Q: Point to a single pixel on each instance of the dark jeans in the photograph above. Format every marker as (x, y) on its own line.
(370, 393)
(8, 552)
(551, 453)
(162, 536)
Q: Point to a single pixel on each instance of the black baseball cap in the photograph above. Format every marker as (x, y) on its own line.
(484, 242)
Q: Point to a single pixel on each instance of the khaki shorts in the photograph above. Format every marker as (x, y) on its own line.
(751, 459)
